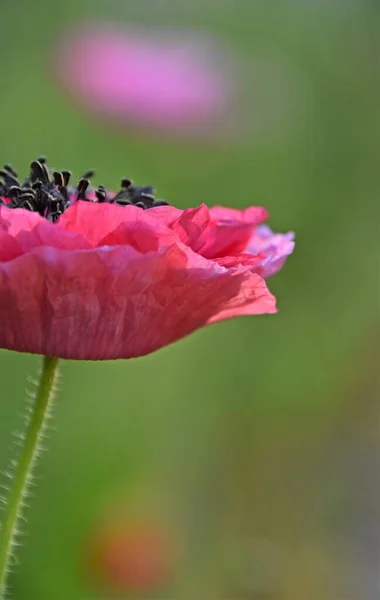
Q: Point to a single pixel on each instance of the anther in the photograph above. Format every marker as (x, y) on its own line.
(14, 190)
(39, 171)
(9, 179)
(147, 198)
(10, 170)
(27, 194)
(83, 185)
(58, 179)
(126, 183)
(66, 177)
(100, 193)
(88, 174)
(26, 204)
(145, 189)
(81, 188)
(122, 201)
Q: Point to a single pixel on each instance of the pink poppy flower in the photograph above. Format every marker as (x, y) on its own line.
(150, 79)
(86, 274)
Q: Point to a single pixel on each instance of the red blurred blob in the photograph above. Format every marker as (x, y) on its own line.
(132, 557)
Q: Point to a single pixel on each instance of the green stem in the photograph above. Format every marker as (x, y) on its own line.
(22, 477)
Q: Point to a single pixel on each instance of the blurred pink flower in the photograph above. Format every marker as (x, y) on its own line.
(157, 80)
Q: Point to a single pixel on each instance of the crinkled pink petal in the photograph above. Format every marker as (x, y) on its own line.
(28, 230)
(222, 239)
(275, 247)
(114, 302)
(253, 215)
(210, 236)
(108, 224)
(189, 224)
(9, 248)
(166, 215)
(240, 305)
(245, 260)
(218, 231)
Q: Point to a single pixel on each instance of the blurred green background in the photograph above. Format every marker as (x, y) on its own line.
(255, 441)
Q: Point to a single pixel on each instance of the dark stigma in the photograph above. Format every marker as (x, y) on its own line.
(48, 192)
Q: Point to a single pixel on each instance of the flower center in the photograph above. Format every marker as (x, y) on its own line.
(48, 192)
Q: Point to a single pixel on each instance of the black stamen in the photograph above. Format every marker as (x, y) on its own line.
(147, 197)
(10, 170)
(66, 177)
(8, 178)
(47, 191)
(58, 179)
(27, 205)
(39, 172)
(123, 202)
(82, 187)
(14, 190)
(27, 196)
(101, 194)
(88, 174)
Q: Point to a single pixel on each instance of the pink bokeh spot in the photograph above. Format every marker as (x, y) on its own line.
(157, 80)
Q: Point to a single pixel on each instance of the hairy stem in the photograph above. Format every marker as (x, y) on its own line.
(21, 479)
